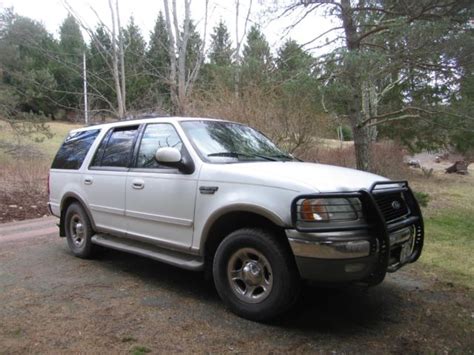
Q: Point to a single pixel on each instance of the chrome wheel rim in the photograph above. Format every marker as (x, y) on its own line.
(250, 275)
(77, 232)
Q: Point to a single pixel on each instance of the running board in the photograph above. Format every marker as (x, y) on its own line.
(185, 261)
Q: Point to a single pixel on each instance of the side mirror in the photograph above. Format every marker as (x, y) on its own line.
(168, 156)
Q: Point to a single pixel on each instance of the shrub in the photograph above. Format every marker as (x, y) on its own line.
(23, 189)
(387, 157)
(387, 160)
(289, 121)
(346, 133)
(422, 197)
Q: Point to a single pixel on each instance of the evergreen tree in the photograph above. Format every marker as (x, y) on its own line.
(257, 59)
(137, 81)
(158, 61)
(193, 48)
(219, 71)
(221, 46)
(26, 49)
(101, 90)
(293, 61)
(69, 71)
(257, 48)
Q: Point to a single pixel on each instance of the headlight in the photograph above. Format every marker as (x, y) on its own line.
(330, 209)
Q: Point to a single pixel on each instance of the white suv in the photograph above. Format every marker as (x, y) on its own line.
(218, 196)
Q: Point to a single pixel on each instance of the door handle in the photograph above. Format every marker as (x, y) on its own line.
(88, 180)
(138, 184)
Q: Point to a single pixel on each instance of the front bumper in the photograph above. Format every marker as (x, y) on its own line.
(361, 252)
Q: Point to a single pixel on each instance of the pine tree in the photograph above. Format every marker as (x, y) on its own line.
(26, 50)
(158, 62)
(193, 48)
(137, 81)
(69, 72)
(221, 46)
(257, 48)
(257, 60)
(293, 61)
(101, 91)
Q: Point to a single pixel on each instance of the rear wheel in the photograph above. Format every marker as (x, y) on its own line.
(78, 231)
(255, 274)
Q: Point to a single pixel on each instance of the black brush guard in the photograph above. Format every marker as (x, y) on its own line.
(375, 224)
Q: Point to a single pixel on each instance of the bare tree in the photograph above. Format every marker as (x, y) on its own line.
(238, 42)
(114, 57)
(119, 89)
(122, 59)
(181, 78)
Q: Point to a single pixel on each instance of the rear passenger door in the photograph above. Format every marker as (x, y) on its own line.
(104, 180)
(159, 199)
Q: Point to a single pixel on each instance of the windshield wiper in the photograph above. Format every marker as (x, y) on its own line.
(284, 156)
(238, 154)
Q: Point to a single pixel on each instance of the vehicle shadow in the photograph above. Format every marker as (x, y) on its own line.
(337, 311)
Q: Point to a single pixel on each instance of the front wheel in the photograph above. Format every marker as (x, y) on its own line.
(255, 274)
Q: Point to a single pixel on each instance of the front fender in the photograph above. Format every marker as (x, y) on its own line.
(271, 203)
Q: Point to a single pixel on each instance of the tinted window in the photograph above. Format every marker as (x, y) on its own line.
(116, 148)
(74, 150)
(100, 150)
(156, 136)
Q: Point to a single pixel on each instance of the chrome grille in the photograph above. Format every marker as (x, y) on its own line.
(392, 205)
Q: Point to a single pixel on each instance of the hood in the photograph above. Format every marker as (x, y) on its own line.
(296, 176)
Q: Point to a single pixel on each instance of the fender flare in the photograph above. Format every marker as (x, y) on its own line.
(238, 207)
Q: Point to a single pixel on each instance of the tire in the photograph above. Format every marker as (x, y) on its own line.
(255, 275)
(78, 231)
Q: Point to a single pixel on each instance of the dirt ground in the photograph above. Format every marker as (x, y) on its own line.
(119, 303)
(22, 205)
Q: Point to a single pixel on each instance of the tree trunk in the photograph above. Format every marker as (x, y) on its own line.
(122, 59)
(369, 107)
(354, 109)
(172, 55)
(182, 51)
(362, 147)
(115, 71)
(182, 78)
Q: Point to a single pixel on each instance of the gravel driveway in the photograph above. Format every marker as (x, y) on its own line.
(51, 301)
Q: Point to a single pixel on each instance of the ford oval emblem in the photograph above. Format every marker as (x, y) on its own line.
(396, 205)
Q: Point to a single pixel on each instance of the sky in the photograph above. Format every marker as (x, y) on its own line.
(52, 12)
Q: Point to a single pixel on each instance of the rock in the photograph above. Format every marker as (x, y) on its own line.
(414, 163)
(459, 167)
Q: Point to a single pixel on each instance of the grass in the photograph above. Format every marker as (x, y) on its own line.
(449, 227)
(48, 147)
(139, 350)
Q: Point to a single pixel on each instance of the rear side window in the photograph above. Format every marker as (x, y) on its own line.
(116, 148)
(74, 150)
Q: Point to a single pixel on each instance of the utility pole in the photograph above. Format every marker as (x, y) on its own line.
(84, 76)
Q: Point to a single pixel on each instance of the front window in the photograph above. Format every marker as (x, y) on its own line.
(156, 136)
(225, 142)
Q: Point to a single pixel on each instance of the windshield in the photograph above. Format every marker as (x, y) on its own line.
(225, 142)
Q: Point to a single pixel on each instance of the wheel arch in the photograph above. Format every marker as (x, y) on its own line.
(225, 221)
(67, 200)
